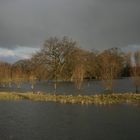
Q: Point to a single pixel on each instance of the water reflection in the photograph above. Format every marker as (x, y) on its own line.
(27, 120)
(88, 87)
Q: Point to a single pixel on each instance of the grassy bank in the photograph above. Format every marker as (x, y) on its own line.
(95, 99)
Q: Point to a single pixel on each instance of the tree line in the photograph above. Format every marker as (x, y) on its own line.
(63, 59)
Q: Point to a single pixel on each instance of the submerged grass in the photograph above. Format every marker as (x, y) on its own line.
(80, 99)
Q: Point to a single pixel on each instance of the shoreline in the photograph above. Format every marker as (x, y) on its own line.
(104, 99)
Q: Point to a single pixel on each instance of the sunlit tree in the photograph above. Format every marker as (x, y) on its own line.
(110, 65)
(135, 70)
(54, 54)
(5, 74)
(78, 66)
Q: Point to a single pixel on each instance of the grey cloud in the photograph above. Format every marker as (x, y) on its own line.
(95, 24)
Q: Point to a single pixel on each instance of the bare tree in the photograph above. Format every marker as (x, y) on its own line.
(5, 74)
(17, 75)
(91, 65)
(126, 71)
(54, 55)
(110, 65)
(135, 71)
(78, 62)
(78, 75)
(39, 67)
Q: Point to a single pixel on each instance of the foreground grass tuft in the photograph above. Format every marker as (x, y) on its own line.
(94, 99)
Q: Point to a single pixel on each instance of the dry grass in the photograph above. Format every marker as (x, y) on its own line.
(95, 99)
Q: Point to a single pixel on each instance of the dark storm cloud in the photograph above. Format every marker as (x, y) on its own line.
(94, 23)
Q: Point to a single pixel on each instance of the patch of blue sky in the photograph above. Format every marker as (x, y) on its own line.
(22, 52)
(12, 55)
(26, 52)
(131, 48)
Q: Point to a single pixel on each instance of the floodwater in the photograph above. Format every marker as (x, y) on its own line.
(88, 87)
(26, 120)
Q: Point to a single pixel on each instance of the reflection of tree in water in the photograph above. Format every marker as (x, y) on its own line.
(78, 76)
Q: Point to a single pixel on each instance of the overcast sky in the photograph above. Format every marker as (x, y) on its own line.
(95, 24)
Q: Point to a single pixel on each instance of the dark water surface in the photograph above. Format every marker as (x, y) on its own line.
(88, 87)
(26, 120)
